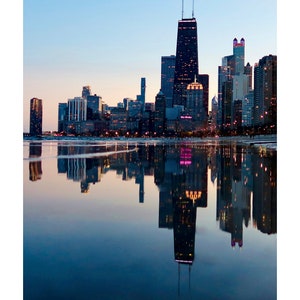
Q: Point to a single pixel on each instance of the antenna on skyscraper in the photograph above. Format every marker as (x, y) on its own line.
(182, 9)
(193, 8)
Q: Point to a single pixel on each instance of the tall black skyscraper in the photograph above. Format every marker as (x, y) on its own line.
(36, 116)
(186, 66)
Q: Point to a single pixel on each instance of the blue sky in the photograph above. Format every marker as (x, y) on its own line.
(110, 45)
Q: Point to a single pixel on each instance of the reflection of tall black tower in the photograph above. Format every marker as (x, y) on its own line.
(186, 66)
(184, 229)
(35, 167)
(181, 175)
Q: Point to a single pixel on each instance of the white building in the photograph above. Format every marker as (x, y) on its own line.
(77, 109)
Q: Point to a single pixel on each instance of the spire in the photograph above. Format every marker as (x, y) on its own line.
(193, 8)
(182, 9)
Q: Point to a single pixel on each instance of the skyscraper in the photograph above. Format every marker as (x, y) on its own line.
(239, 53)
(160, 113)
(265, 91)
(142, 97)
(186, 65)
(143, 92)
(62, 116)
(86, 91)
(194, 104)
(77, 109)
(93, 107)
(36, 116)
(167, 77)
(234, 84)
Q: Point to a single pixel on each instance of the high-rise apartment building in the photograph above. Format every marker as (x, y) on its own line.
(77, 109)
(265, 91)
(186, 66)
(36, 116)
(167, 77)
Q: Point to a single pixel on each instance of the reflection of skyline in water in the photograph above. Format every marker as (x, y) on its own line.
(35, 167)
(245, 181)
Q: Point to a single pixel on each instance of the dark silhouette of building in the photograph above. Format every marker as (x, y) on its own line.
(86, 91)
(186, 66)
(265, 91)
(36, 116)
(160, 114)
(204, 80)
(167, 77)
(93, 107)
(62, 116)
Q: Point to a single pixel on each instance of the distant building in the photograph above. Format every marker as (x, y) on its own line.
(62, 116)
(248, 71)
(194, 104)
(248, 103)
(134, 108)
(240, 89)
(93, 107)
(86, 91)
(142, 97)
(167, 77)
(160, 114)
(118, 119)
(234, 83)
(214, 112)
(77, 109)
(36, 116)
(204, 80)
(239, 53)
(143, 92)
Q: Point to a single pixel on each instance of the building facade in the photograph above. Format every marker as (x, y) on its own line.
(234, 85)
(186, 63)
(77, 109)
(36, 116)
(62, 116)
(160, 114)
(195, 105)
(265, 91)
(167, 77)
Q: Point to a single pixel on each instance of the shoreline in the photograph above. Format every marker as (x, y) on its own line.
(265, 141)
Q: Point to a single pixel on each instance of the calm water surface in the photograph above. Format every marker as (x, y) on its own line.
(154, 220)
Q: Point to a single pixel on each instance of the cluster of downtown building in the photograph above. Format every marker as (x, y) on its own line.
(181, 106)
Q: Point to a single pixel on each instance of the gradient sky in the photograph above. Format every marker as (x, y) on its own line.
(110, 45)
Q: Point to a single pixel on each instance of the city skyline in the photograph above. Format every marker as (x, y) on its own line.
(111, 52)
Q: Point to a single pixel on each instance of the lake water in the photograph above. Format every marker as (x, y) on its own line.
(149, 219)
